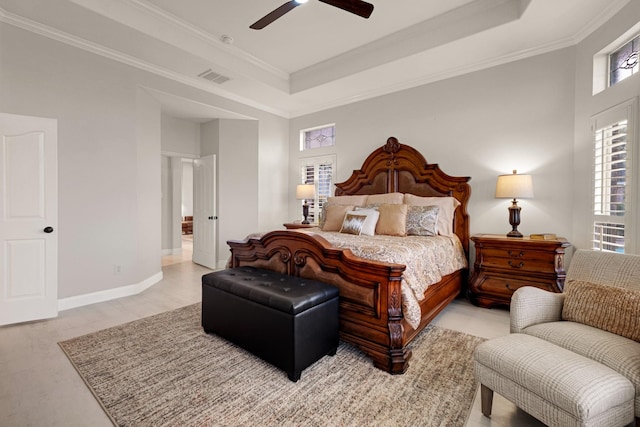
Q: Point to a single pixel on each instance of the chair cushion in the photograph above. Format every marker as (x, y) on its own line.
(609, 308)
(618, 353)
(575, 384)
(607, 268)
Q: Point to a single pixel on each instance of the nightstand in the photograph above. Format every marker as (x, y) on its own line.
(296, 225)
(503, 264)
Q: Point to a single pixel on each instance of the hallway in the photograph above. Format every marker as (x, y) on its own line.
(185, 255)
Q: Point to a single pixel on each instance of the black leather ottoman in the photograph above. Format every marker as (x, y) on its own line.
(287, 321)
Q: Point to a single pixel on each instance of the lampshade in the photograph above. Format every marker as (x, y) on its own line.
(305, 191)
(514, 186)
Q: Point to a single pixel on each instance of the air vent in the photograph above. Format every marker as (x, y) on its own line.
(213, 76)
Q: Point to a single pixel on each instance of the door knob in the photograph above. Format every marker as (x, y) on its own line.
(48, 230)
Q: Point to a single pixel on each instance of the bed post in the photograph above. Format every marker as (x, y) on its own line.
(399, 354)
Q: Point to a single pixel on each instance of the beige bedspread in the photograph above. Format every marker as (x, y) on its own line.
(427, 260)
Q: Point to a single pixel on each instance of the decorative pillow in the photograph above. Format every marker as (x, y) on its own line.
(348, 200)
(609, 308)
(422, 220)
(388, 198)
(333, 216)
(447, 206)
(369, 227)
(353, 223)
(393, 220)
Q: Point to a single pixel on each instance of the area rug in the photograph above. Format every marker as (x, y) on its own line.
(165, 371)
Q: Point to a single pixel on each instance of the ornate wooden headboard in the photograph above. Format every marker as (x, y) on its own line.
(396, 167)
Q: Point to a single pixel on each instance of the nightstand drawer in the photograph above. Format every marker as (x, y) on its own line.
(518, 259)
(498, 285)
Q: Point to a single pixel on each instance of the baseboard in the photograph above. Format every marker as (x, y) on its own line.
(109, 294)
(176, 251)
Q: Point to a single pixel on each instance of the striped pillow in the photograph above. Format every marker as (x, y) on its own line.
(609, 308)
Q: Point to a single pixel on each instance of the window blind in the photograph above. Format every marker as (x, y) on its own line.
(609, 187)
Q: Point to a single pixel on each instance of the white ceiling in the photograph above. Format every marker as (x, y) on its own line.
(316, 56)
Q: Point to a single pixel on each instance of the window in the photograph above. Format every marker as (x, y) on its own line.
(322, 136)
(616, 61)
(613, 181)
(623, 62)
(609, 184)
(319, 171)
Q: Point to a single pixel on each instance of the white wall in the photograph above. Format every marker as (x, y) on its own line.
(210, 138)
(109, 145)
(588, 105)
(96, 104)
(147, 189)
(514, 116)
(273, 174)
(166, 207)
(238, 172)
(171, 206)
(180, 137)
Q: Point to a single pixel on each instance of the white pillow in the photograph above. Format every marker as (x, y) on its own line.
(447, 207)
(369, 226)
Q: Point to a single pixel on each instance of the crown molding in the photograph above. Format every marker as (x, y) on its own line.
(598, 21)
(156, 12)
(170, 19)
(80, 43)
(435, 77)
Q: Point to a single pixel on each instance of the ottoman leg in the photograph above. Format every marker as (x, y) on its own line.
(294, 376)
(486, 399)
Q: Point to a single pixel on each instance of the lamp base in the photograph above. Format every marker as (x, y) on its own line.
(514, 219)
(514, 233)
(305, 213)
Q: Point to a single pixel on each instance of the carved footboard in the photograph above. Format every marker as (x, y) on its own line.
(370, 291)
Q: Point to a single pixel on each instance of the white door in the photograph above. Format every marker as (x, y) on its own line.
(28, 218)
(204, 211)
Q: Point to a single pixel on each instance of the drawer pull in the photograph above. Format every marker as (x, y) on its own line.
(508, 286)
(516, 254)
(518, 265)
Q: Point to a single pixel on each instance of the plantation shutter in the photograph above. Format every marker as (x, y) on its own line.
(610, 186)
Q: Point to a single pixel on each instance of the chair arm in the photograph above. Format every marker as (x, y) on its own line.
(531, 305)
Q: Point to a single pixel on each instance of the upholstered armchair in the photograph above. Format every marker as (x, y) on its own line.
(597, 316)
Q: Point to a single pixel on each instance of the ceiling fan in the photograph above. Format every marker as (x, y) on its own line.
(358, 7)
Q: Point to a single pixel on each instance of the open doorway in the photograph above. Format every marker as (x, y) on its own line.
(189, 210)
(186, 204)
(177, 210)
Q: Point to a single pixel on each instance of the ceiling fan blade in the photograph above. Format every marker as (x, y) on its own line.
(359, 7)
(272, 16)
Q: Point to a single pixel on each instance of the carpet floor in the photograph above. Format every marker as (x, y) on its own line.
(165, 371)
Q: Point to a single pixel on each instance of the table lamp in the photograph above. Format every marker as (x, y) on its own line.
(305, 192)
(517, 187)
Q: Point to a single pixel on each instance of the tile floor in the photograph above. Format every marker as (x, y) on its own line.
(39, 387)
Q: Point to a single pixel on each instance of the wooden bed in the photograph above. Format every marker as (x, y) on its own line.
(370, 291)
